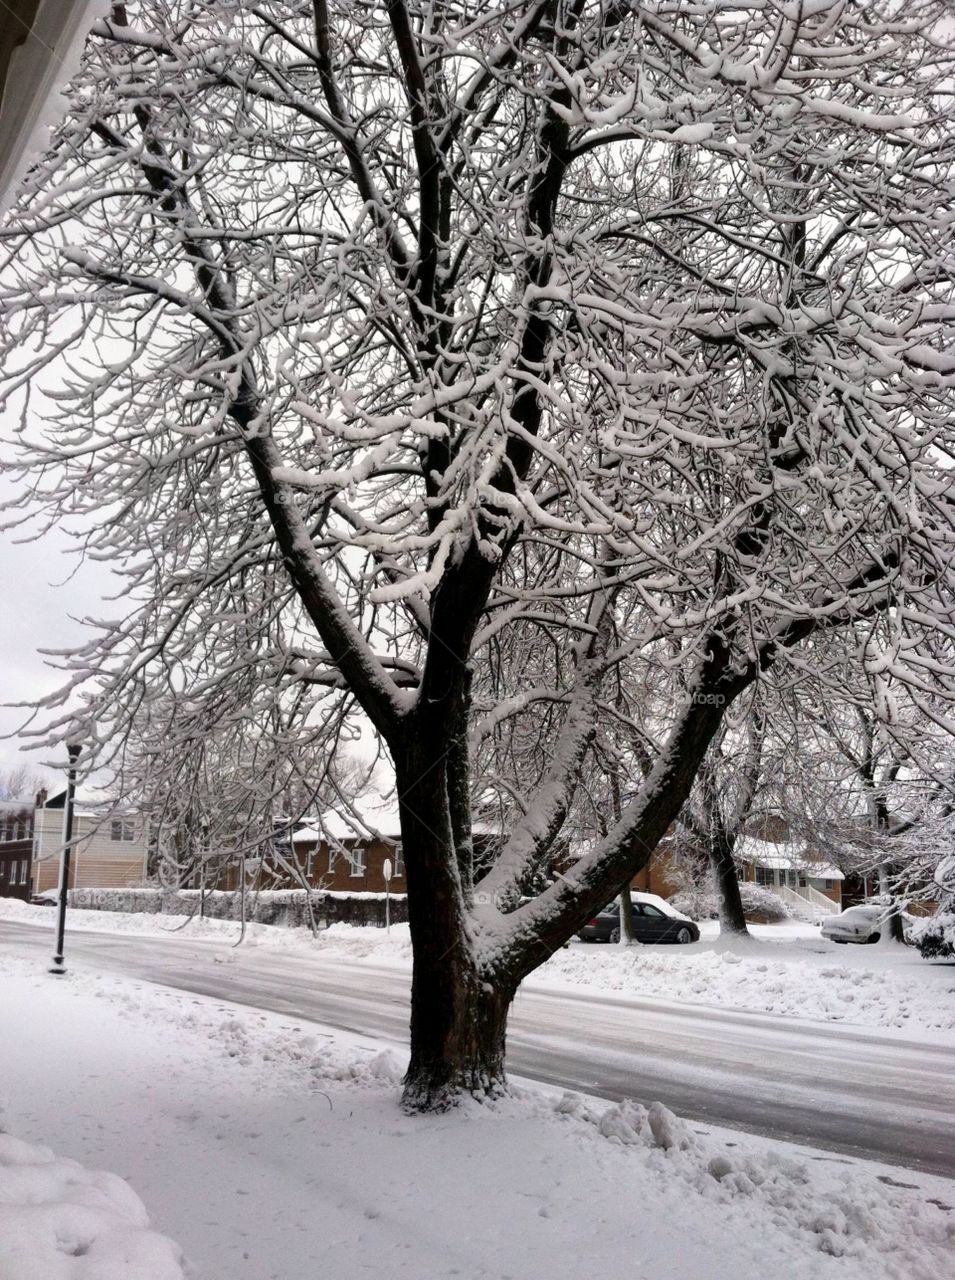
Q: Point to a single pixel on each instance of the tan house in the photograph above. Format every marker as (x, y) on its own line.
(794, 871)
(108, 847)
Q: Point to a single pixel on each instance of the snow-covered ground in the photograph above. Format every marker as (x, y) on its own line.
(788, 969)
(274, 1150)
(59, 1221)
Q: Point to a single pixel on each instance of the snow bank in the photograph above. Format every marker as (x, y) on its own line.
(809, 979)
(59, 1221)
(935, 935)
(704, 904)
(841, 1212)
(347, 939)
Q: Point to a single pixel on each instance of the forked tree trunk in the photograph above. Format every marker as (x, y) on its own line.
(460, 998)
(723, 866)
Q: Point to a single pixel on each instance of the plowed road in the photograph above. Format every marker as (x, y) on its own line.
(863, 1093)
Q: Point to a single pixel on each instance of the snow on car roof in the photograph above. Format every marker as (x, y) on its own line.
(656, 901)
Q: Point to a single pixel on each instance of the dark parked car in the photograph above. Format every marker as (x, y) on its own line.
(653, 921)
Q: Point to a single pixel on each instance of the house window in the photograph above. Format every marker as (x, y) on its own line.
(763, 877)
(828, 884)
(356, 859)
(23, 870)
(332, 855)
(399, 861)
(122, 829)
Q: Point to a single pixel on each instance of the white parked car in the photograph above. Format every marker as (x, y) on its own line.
(855, 924)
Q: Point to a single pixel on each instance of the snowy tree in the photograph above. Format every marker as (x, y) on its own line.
(871, 778)
(720, 805)
(364, 339)
(20, 783)
(219, 795)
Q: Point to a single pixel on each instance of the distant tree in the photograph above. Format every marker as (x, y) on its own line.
(375, 342)
(21, 783)
(873, 783)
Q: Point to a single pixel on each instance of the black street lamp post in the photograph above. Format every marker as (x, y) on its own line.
(74, 751)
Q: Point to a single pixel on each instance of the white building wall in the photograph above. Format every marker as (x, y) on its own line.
(97, 861)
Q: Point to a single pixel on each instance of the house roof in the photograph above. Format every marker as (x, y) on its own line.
(333, 826)
(797, 857)
(83, 807)
(377, 820)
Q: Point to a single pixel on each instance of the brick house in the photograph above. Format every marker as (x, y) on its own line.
(330, 855)
(347, 863)
(16, 848)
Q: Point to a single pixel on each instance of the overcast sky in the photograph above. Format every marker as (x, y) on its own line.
(40, 601)
(36, 597)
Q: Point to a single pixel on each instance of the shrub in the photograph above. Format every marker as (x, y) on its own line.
(935, 935)
(703, 904)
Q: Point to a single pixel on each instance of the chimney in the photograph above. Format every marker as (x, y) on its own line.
(41, 798)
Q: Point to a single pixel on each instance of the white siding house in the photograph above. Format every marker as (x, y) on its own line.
(109, 849)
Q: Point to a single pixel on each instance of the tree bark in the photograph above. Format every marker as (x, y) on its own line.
(458, 1011)
(723, 867)
(627, 935)
(458, 1032)
(892, 928)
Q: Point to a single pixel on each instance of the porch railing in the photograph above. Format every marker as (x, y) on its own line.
(805, 895)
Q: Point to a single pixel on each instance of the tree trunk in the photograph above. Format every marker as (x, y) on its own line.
(458, 1030)
(458, 1011)
(627, 935)
(723, 866)
(892, 929)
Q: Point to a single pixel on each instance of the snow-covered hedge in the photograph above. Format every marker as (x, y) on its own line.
(289, 908)
(703, 904)
(935, 935)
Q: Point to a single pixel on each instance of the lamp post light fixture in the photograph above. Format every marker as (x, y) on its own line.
(73, 749)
